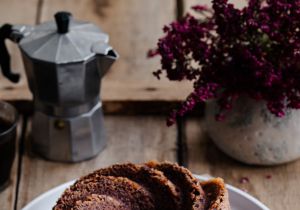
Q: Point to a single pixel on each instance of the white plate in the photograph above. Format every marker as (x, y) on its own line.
(239, 200)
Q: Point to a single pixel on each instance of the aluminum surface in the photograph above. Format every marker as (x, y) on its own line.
(69, 139)
(45, 44)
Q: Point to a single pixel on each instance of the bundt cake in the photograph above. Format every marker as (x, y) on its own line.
(191, 193)
(164, 192)
(149, 186)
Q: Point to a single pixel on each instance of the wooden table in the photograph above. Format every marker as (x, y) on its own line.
(142, 138)
(134, 25)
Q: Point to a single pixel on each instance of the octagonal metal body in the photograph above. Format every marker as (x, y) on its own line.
(70, 139)
(65, 85)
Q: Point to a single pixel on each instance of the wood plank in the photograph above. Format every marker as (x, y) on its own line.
(8, 195)
(280, 191)
(134, 139)
(134, 27)
(11, 12)
(187, 4)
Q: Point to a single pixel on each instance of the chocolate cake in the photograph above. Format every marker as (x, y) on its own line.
(216, 194)
(150, 186)
(163, 190)
(127, 192)
(100, 202)
(191, 193)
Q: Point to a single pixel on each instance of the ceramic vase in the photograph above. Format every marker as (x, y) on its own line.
(251, 134)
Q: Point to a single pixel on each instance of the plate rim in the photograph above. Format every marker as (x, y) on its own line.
(45, 194)
(200, 177)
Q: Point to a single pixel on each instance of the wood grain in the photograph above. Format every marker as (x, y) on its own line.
(189, 3)
(12, 11)
(134, 27)
(135, 139)
(8, 195)
(279, 191)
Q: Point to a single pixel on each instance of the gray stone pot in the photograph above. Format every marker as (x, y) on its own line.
(251, 134)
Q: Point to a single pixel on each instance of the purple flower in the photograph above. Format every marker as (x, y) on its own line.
(254, 51)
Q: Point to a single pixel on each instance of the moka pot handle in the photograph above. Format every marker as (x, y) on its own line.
(5, 33)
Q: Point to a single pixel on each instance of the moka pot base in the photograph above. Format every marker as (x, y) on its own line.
(69, 139)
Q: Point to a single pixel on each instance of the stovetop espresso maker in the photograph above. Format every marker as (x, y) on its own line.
(64, 61)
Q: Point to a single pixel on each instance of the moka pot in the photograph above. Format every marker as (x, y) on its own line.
(64, 61)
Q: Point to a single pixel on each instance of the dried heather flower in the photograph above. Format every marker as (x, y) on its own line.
(254, 51)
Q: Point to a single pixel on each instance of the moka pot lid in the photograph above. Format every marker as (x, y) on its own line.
(62, 41)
